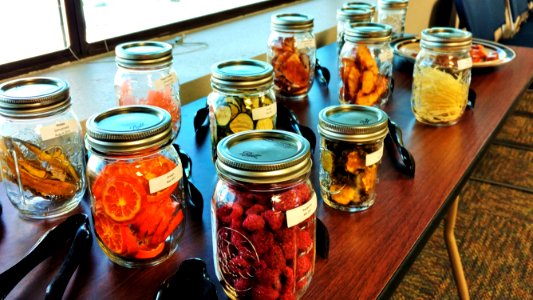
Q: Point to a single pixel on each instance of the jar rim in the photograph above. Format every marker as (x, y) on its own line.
(356, 4)
(246, 74)
(445, 38)
(354, 14)
(367, 32)
(289, 22)
(393, 4)
(143, 53)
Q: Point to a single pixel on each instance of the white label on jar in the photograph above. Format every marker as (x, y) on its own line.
(58, 129)
(374, 157)
(385, 56)
(167, 80)
(308, 43)
(264, 112)
(464, 63)
(299, 214)
(164, 181)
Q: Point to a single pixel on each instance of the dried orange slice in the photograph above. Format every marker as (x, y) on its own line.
(150, 253)
(122, 197)
(109, 233)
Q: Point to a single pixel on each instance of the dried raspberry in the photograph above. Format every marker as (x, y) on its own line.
(304, 240)
(244, 199)
(285, 200)
(242, 284)
(256, 209)
(236, 224)
(303, 265)
(287, 279)
(301, 284)
(269, 278)
(274, 219)
(224, 214)
(304, 193)
(262, 241)
(239, 266)
(253, 223)
(288, 296)
(236, 211)
(263, 199)
(275, 258)
(287, 239)
(260, 292)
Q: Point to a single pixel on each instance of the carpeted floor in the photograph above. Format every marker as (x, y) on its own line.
(494, 228)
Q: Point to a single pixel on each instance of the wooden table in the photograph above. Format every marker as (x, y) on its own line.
(369, 250)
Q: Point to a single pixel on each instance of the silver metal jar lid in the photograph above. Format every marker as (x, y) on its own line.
(263, 156)
(33, 97)
(393, 4)
(367, 32)
(129, 130)
(353, 123)
(359, 4)
(143, 53)
(289, 22)
(446, 39)
(354, 14)
(235, 75)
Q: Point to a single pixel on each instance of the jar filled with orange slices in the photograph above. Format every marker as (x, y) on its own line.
(292, 53)
(145, 75)
(136, 183)
(365, 64)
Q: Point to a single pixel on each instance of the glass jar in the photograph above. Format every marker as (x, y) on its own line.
(292, 53)
(242, 98)
(263, 215)
(393, 12)
(365, 64)
(441, 76)
(136, 182)
(41, 147)
(347, 15)
(351, 147)
(363, 5)
(145, 75)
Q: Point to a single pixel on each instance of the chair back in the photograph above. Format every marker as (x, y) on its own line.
(518, 7)
(481, 17)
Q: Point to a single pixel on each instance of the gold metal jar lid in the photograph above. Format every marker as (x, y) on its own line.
(446, 39)
(291, 22)
(393, 4)
(238, 75)
(367, 32)
(34, 97)
(143, 53)
(360, 4)
(352, 123)
(263, 157)
(354, 14)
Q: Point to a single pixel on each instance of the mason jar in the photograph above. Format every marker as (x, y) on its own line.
(41, 147)
(292, 53)
(145, 75)
(363, 5)
(136, 181)
(441, 76)
(263, 215)
(365, 64)
(393, 12)
(347, 15)
(351, 147)
(242, 98)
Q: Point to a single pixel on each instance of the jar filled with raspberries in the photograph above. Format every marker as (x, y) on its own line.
(365, 64)
(292, 53)
(264, 215)
(351, 148)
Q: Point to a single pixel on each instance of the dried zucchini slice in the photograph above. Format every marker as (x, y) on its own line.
(266, 101)
(223, 115)
(264, 124)
(235, 110)
(241, 122)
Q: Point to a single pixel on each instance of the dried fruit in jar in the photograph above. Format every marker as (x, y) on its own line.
(292, 68)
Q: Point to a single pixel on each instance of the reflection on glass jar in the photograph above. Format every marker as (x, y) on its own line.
(292, 53)
(351, 148)
(365, 64)
(441, 76)
(393, 12)
(242, 99)
(41, 147)
(264, 216)
(145, 76)
(347, 15)
(135, 179)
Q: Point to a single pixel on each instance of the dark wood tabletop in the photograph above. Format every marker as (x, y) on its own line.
(369, 251)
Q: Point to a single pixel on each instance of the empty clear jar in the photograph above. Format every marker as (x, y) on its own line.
(242, 98)
(365, 64)
(292, 53)
(393, 12)
(41, 147)
(347, 15)
(145, 75)
(263, 216)
(136, 182)
(351, 147)
(441, 76)
(363, 5)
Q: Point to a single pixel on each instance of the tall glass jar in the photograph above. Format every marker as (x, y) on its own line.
(292, 53)
(363, 5)
(242, 98)
(393, 12)
(263, 215)
(145, 75)
(351, 148)
(136, 182)
(365, 64)
(441, 76)
(41, 147)
(347, 15)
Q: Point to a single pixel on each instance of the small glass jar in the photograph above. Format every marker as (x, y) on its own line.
(393, 12)
(365, 64)
(347, 15)
(292, 53)
(242, 98)
(363, 5)
(441, 76)
(136, 182)
(41, 147)
(351, 147)
(263, 215)
(145, 75)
